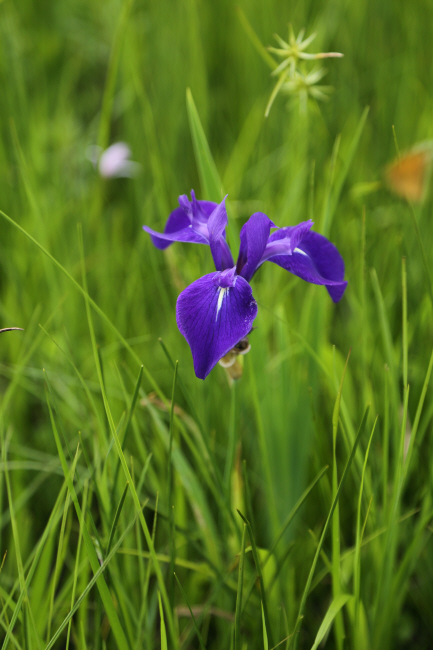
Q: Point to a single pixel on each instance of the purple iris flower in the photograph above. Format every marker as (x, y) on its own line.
(217, 311)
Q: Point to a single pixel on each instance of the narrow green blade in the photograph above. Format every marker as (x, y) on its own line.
(332, 612)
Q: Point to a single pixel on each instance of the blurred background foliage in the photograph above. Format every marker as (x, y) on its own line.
(75, 74)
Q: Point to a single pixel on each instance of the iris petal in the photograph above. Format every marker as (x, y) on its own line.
(187, 223)
(220, 250)
(217, 311)
(178, 220)
(254, 237)
(285, 240)
(163, 240)
(318, 261)
(214, 313)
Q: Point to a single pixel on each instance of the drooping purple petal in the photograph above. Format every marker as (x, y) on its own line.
(254, 237)
(163, 240)
(214, 313)
(316, 260)
(217, 223)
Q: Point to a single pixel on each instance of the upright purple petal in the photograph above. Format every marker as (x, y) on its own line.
(187, 223)
(200, 213)
(254, 237)
(178, 220)
(214, 313)
(197, 208)
(217, 223)
(316, 260)
(285, 240)
(206, 208)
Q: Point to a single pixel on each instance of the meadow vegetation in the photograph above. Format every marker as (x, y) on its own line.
(141, 507)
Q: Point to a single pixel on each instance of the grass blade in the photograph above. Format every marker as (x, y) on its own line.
(216, 485)
(93, 304)
(170, 506)
(332, 612)
(336, 577)
(124, 464)
(163, 630)
(77, 561)
(286, 523)
(129, 421)
(209, 178)
(116, 518)
(404, 319)
(199, 636)
(94, 562)
(15, 536)
(327, 211)
(107, 101)
(91, 584)
(52, 521)
(422, 248)
(58, 559)
(418, 417)
(293, 512)
(359, 535)
(265, 634)
(258, 569)
(256, 42)
(345, 170)
(326, 526)
(238, 612)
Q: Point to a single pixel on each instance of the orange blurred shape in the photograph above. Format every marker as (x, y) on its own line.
(408, 175)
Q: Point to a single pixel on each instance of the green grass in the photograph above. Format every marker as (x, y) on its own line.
(121, 473)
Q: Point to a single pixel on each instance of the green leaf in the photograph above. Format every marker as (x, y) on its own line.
(199, 636)
(357, 560)
(91, 584)
(122, 458)
(118, 632)
(418, 417)
(210, 181)
(334, 196)
(332, 612)
(92, 303)
(238, 611)
(336, 577)
(163, 631)
(170, 507)
(116, 518)
(265, 635)
(255, 41)
(325, 528)
(128, 424)
(285, 525)
(54, 517)
(258, 568)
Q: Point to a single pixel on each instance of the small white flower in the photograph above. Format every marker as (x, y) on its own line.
(113, 162)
